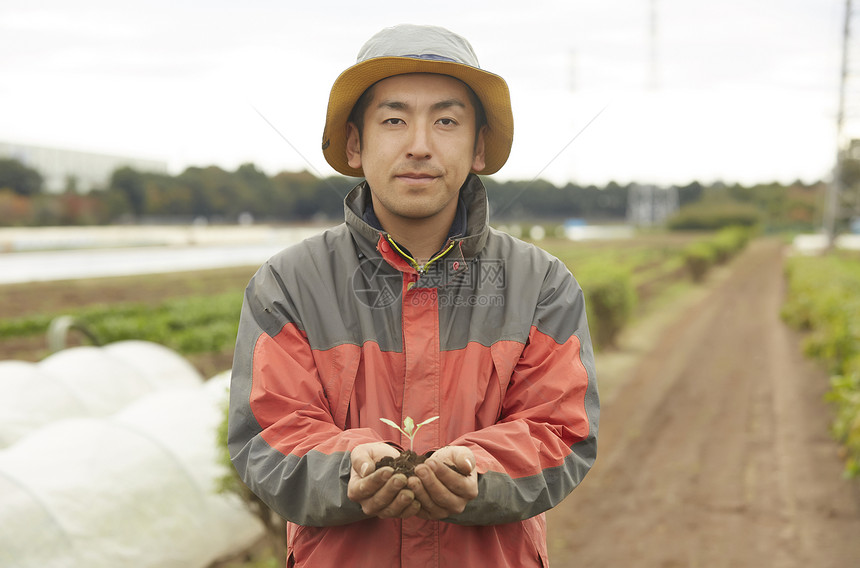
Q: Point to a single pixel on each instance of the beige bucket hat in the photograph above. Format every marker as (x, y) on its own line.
(418, 49)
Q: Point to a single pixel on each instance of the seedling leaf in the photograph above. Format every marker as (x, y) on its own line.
(409, 428)
(428, 421)
(392, 424)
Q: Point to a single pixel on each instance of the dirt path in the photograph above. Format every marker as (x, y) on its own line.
(715, 452)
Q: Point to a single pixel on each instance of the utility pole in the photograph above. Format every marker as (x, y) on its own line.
(834, 189)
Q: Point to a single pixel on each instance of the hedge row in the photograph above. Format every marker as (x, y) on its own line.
(713, 216)
(824, 300)
(610, 288)
(610, 298)
(701, 255)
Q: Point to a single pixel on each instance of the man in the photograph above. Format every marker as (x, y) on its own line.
(414, 307)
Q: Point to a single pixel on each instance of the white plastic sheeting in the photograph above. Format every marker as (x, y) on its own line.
(135, 487)
(85, 381)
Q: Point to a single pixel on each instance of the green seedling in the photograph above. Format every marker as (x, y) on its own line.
(410, 429)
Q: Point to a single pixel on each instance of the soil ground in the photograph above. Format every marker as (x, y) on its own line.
(714, 447)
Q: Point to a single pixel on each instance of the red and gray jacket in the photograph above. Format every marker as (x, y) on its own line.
(342, 330)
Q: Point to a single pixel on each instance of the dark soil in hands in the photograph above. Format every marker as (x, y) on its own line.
(407, 460)
(404, 463)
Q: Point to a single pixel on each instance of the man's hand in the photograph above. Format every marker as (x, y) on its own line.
(380, 493)
(441, 491)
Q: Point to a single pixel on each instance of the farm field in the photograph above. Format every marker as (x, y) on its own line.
(715, 448)
(714, 444)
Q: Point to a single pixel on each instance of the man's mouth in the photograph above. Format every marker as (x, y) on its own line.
(416, 177)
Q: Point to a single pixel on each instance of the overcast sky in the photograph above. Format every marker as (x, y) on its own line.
(746, 90)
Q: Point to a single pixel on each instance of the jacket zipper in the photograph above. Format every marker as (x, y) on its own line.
(421, 268)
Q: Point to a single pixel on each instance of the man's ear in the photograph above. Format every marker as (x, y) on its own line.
(478, 162)
(353, 146)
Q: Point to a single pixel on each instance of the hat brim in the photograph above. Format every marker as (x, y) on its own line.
(349, 86)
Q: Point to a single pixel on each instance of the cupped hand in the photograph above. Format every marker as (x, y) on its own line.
(441, 491)
(380, 492)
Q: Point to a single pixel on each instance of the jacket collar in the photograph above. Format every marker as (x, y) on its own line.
(473, 195)
(458, 227)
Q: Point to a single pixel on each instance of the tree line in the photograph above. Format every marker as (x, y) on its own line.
(221, 196)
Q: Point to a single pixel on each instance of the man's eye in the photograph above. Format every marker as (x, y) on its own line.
(393, 121)
(447, 121)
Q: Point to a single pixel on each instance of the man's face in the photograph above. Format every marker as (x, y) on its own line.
(418, 145)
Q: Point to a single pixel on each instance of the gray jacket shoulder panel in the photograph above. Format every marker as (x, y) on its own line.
(496, 298)
(327, 287)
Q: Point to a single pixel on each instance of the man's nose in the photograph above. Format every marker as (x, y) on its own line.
(419, 143)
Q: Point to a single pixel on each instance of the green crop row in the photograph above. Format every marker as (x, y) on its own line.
(187, 325)
(610, 275)
(610, 300)
(824, 300)
(712, 216)
(634, 254)
(700, 256)
(619, 277)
